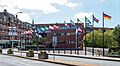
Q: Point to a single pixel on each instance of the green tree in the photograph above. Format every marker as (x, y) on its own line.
(39, 41)
(98, 38)
(116, 35)
(108, 38)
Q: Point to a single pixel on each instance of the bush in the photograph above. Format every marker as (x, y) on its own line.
(118, 52)
(30, 53)
(43, 55)
(43, 52)
(10, 51)
(0, 50)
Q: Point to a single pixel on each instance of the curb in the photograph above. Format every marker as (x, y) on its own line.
(97, 58)
(41, 60)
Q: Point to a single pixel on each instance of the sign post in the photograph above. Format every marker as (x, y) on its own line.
(54, 44)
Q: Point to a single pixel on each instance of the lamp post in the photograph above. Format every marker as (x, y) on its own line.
(17, 13)
(13, 28)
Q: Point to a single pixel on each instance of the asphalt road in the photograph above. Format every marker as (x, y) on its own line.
(87, 61)
(15, 61)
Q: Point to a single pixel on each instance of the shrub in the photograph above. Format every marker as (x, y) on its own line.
(10, 51)
(43, 52)
(118, 52)
(43, 55)
(30, 53)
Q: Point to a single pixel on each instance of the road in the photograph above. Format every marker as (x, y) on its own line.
(15, 61)
(81, 60)
(87, 61)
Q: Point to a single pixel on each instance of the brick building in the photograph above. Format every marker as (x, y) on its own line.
(11, 29)
(66, 35)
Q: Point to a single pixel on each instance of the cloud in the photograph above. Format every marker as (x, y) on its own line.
(25, 17)
(82, 15)
(71, 5)
(43, 6)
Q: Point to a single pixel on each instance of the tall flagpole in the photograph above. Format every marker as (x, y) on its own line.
(85, 36)
(70, 40)
(76, 39)
(92, 35)
(103, 34)
(64, 36)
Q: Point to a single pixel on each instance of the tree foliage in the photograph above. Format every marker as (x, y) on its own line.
(98, 38)
(39, 41)
(116, 35)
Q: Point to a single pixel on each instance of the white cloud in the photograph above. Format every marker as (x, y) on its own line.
(44, 6)
(82, 15)
(25, 17)
(71, 5)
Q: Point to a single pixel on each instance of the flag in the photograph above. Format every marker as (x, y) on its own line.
(95, 19)
(55, 27)
(107, 17)
(88, 25)
(46, 28)
(87, 20)
(78, 30)
(78, 21)
(66, 24)
(29, 32)
(42, 29)
(38, 30)
(72, 23)
(51, 27)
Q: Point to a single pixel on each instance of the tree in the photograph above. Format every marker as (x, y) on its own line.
(108, 38)
(98, 38)
(39, 41)
(116, 35)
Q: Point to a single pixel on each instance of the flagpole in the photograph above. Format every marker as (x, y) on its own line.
(64, 36)
(85, 35)
(76, 39)
(103, 34)
(70, 40)
(93, 36)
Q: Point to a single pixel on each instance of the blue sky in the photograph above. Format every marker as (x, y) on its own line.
(52, 11)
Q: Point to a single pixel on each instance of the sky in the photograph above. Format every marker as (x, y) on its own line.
(58, 11)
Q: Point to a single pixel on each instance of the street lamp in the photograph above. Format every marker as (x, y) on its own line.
(17, 13)
(16, 16)
(13, 28)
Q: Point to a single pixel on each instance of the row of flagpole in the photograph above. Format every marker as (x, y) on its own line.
(87, 21)
(105, 16)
